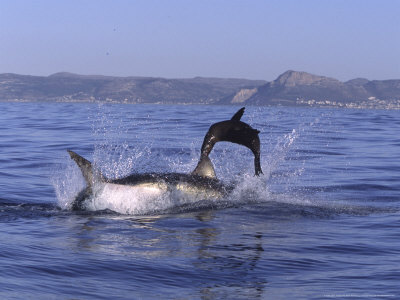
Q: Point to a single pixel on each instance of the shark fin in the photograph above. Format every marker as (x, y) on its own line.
(204, 168)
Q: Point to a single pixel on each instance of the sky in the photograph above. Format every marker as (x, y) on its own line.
(254, 39)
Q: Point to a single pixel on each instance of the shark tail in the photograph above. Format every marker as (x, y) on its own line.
(84, 165)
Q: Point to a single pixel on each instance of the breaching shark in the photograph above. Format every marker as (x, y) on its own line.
(202, 182)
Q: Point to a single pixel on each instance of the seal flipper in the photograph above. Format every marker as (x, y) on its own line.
(85, 166)
(238, 115)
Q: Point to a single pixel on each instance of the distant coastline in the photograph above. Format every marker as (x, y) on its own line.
(291, 88)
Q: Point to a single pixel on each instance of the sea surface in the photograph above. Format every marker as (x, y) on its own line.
(323, 221)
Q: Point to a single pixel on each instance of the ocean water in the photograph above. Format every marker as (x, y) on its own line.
(322, 222)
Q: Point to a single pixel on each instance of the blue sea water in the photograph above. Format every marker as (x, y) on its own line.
(322, 222)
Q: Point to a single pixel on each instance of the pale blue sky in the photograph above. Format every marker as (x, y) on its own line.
(214, 38)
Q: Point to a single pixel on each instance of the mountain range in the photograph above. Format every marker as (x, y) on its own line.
(290, 88)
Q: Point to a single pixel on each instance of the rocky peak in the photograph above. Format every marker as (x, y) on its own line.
(63, 74)
(293, 78)
(357, 81)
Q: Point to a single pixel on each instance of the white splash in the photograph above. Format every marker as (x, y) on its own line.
(67, 181)
(127, 200)
(280, 152)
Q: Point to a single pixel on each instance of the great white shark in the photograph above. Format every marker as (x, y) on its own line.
(201, 183)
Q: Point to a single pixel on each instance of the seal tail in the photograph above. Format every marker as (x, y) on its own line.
(84, 165)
